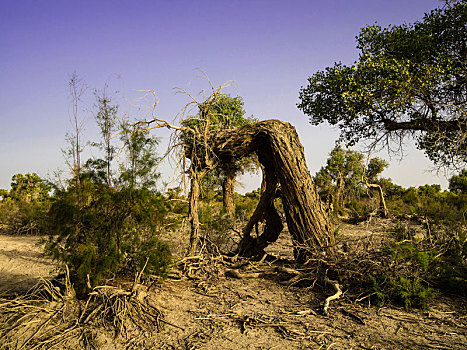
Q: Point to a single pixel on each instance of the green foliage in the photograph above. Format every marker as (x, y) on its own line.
(139, 250)
(246, 205)
(23, 208)
(458, 183)
(378, 288)
(222, 112)
(139, 168)
(374, 168)
(412, 293)
(23, 218)
(409, 251)
(409, 291)
(419, 261)
(342, 179)
(109, 232)
(107, 223)
(408, 80)
(215, 225)
(106, 121)
(28, 188)
(445, 207)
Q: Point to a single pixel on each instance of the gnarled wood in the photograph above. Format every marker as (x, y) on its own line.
(278, 148)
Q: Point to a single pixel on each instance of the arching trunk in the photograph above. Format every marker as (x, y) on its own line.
(279, 150)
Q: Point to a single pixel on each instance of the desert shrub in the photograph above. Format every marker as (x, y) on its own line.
(246, 204)
(378, 289)
(21, 218)
(420, 265)
(215, 225)
(412, 293)
(408, 291)
(107, 232)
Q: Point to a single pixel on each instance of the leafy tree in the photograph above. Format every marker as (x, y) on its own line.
(28, 187)
(346, 175)
(374, 168)
(341, 177)
(223, 113)
(23, 208)
(108, 223)
(429, 190)
(139, 168)
(458, 183)
(408, 80)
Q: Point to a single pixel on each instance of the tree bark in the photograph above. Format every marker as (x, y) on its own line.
(193, 213)
(267, 211)
(383, 210)
(279, 150)
(228, 194)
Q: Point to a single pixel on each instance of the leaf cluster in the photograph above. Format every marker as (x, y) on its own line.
(408, 80)
(23, 208)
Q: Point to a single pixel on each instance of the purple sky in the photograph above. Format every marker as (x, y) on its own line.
(268, 48)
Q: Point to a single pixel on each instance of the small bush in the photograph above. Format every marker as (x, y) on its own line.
(379, 295)
(107, 232)
(412, 293)
(417, 263)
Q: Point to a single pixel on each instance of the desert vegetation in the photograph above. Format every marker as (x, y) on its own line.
(203, 266)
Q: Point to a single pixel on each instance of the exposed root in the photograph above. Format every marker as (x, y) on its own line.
(240, 275)
(46, 317)
(337, 295)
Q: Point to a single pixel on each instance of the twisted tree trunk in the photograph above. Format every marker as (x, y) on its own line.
(278, 148)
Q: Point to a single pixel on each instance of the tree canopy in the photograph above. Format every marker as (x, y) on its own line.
(458, 183)
(28, 187)
(409, 80)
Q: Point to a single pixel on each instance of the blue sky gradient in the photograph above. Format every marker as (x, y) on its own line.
(268, 48)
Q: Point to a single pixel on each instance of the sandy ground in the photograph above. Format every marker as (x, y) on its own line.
(218, 312)
(22, 263)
